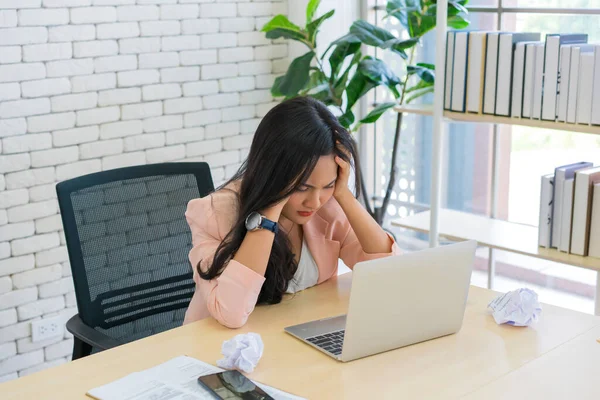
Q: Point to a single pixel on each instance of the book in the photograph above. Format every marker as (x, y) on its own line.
(459, 71)
(576, 51)
(595, 116)
(582, 209)
(594, 245)
(476, 71)
(567, 211)
(585, 87)
(491, 70)
(174, 379)
(551, 66)
(561, 174)
(449, 70)
(562, 96)
(505, 72)
(528, 79)
(538, 75)
(545, 224)
(516, 103)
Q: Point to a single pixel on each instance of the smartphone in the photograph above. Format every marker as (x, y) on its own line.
(232, 385)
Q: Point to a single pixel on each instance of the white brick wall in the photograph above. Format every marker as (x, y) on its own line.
(90, 85)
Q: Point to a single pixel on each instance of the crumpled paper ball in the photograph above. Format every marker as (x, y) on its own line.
(518, 308)
(242, 352)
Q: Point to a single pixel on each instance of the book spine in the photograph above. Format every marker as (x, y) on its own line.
(573, 85)
(517, 83)
(550, 77)
(595, 117)
(594, 244)
(538, 82)
(584, 92)
(563, 87)
(491, 65)
(545, 217)
(449, 70)
(459, 71)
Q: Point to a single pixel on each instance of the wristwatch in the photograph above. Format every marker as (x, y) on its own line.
(255, 221)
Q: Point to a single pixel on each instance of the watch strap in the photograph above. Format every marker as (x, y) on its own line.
(269, 225)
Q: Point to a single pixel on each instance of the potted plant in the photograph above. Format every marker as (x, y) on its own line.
(350, 75)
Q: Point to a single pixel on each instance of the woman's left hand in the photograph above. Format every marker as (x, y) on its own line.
(341, 184)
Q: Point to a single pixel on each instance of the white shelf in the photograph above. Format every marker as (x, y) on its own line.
(426, 109)
(494, 233)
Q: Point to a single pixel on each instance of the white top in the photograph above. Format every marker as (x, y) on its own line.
(307, 274)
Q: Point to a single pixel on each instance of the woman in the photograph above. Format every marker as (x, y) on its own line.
(283, 220)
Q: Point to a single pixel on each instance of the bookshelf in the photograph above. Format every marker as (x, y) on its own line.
(427, 109)
(489, 232)
(494, 233)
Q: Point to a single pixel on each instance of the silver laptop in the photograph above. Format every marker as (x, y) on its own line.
(397, 301)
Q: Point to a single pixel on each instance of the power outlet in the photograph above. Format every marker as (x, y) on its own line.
(46, 328)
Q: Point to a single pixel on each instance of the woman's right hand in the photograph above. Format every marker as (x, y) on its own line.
(274, 212)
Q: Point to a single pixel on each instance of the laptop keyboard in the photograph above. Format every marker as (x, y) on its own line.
(331, 342)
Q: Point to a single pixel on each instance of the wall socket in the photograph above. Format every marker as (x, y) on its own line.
(47, 328)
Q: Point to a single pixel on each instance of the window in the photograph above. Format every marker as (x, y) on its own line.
(523, 155)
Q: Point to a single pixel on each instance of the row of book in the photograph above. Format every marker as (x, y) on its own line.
(517, 75)
(570, 209)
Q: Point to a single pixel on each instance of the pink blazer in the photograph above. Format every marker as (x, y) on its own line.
(231, 297)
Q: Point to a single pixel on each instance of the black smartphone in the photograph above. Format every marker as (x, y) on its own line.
(232, 385)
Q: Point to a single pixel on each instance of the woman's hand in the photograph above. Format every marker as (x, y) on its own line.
(274, 211)
(341, 184)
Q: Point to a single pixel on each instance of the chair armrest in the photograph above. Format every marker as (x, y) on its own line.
(89, 335)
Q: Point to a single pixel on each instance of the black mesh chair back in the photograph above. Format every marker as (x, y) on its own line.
(128, 243)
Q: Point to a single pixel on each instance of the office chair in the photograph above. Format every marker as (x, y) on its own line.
(128, 242)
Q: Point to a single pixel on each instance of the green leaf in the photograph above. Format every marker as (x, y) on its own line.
(455, 6)
(358, 86)
(458, 22)
(347, 119)
(340, 85)
(296, 76)
(426, 65)
(419, 94)
(275, 88)
(399, 45)
(349, 37)
(375, 36)
(402, 10)
(377, 112)
(427, 24)
(425, 74)
(311, 8)
(379, 73)
(318, 87)
(342, 50)
(420, 85)
(313, 27)
(280, 22)
(346, 38)
(277, 33)
(370, 34)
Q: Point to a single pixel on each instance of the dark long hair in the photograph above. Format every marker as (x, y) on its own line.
(286, 146)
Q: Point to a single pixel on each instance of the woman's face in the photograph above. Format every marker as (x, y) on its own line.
(314, 193)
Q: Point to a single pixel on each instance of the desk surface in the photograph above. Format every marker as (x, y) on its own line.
(478, 358)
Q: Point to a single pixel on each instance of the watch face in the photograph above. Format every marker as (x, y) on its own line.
(253, 221)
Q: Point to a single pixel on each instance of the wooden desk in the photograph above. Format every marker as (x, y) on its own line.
(571, 371)
(450, 367)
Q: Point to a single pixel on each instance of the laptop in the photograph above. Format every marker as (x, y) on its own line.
(395, 302)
